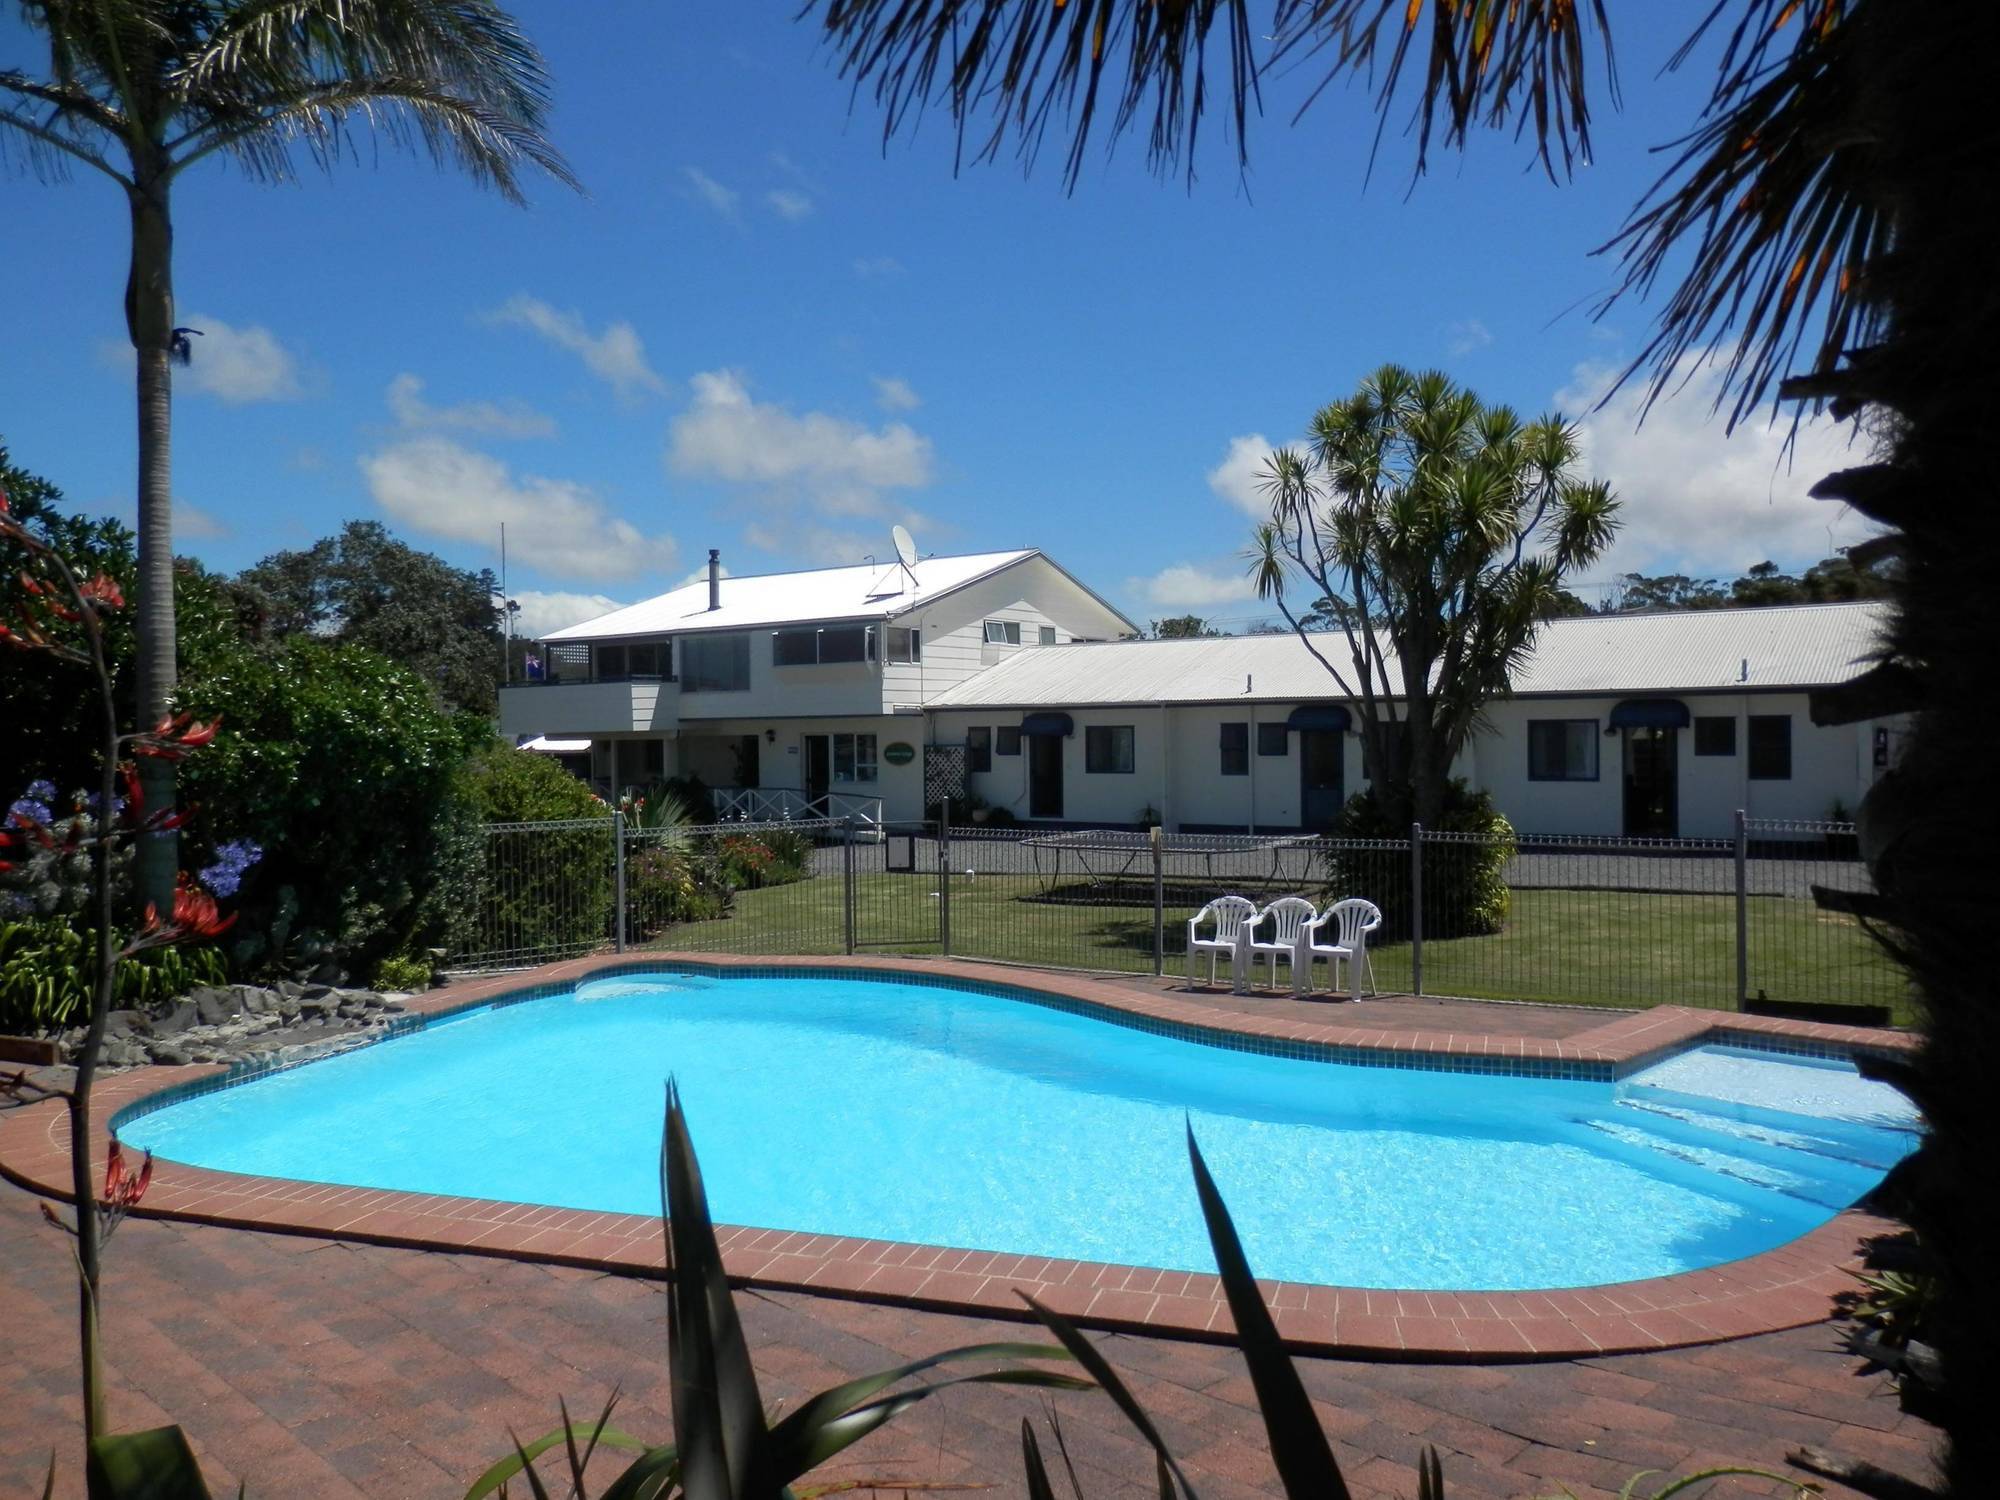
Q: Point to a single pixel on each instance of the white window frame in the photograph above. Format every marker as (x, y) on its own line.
(1003, 632)
(859, 752)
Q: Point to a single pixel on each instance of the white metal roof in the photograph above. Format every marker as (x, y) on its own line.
(870, 591)
(1799, 646)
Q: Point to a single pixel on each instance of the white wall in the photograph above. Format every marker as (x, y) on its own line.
(1034, 593)
(1828, 765)
(782, 763)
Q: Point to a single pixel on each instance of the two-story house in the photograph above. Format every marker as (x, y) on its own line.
(801, 685)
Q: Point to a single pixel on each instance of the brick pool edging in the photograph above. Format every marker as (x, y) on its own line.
(1786, 1287)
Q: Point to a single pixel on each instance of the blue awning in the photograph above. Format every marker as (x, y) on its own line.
(1319, 716)
(1650, 713)
(1049, 724)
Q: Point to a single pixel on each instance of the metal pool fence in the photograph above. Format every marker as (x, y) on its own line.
(1728, 923)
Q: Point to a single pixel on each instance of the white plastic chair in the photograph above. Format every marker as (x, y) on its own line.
(1276, 932)
(1230, 915)
(1352, 921)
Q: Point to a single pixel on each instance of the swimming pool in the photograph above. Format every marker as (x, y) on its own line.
(872, 1108)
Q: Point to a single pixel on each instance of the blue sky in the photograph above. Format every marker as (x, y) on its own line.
(757, 331)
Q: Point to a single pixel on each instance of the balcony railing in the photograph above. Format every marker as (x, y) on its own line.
(784, 804)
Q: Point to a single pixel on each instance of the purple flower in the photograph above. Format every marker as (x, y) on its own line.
(231, 860)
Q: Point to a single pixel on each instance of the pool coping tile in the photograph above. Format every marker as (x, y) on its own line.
(1792, 1285)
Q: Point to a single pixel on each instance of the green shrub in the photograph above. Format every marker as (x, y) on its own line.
(537, 891)
(791, 854)
(46, 973)
(403, 972)
(667, 883)
(693, 794)
(1465, 885)
(343, 768)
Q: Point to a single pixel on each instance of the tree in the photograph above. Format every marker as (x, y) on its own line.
(1182, 628)
(1765, 585)
(1635, 591)
(366, 588)
(141, 90)
(1437, 532)
(1822, 216)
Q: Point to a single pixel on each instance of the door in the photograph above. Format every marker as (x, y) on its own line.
(1321, 777)
(1045, 775)
(1652, 802)
(819, 771)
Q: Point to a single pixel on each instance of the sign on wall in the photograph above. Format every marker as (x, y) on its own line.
(899, 752)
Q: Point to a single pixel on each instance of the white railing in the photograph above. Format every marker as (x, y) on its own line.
(784, 804)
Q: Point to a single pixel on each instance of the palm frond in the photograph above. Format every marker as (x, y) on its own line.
(488, 145)
(1769, 193)
(1485, 63)
(1027, 65)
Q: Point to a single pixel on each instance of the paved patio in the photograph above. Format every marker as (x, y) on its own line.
(314, 1368)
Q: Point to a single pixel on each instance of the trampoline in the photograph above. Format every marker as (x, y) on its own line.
(1109, 856)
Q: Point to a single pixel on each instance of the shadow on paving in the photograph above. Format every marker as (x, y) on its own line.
(309, 1368)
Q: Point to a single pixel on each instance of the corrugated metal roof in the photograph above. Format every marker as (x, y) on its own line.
(1801, 646)
(869, 591)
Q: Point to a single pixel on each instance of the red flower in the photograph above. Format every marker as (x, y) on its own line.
(195, 916)
(122, 1189)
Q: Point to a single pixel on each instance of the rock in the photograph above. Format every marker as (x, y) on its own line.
(213, 1006)
(351, 1010)
(317, 1007)
(123, 1023)
(250, 999)
(167, 1052)
(391, 1004)
(178, 1016)
(291, 989)
(329, 973)
(318, 991)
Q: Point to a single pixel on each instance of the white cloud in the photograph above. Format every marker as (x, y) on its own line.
(830, 464)
(616, 356)
(239, 365)
(1467, 336)
(191, 522)
(810, 542)
(722, 199)
(435, 485)
(893, 393)
(544, 612)
(877, 265)
(499, 418)
(1700, 502)
(1188, 586)
(1239, 477)
(789, 203)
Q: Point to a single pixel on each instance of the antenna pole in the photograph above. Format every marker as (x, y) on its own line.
(506, 616)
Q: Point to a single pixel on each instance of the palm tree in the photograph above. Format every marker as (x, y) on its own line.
(141, 90)
(1823, 217)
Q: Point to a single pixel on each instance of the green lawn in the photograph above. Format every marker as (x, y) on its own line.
(1576, 947)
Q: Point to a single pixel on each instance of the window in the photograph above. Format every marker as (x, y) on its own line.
(905, 646)
(979, 749)
(1045, 634)
(854, 757)
(1273, 739)
(650, 659)
(1007, 740)
(610, 663)
(1715, 736)
(1107, 749)
(1770, 747)
(1562, 749)
(715, 663)
(1003, 632)
(811, 646)
(1235, 749)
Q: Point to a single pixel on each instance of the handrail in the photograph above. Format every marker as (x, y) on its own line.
(766, 804)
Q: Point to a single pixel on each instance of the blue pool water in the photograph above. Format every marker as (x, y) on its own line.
(939, 1116)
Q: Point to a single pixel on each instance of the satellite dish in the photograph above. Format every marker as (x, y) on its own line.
(906, 546)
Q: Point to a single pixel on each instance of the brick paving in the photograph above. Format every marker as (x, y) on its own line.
(311, 1368)
(1423, 1013)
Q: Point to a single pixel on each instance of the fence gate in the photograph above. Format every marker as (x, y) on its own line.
(895, 890)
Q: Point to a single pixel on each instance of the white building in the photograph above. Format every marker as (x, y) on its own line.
(834, 683)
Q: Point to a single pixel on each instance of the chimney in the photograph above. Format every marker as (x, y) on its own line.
(715, 578)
